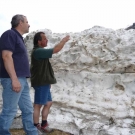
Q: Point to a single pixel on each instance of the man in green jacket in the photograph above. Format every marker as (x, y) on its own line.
(42, 76)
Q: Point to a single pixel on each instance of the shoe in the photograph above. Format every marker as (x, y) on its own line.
(39, 128)
(46, 128)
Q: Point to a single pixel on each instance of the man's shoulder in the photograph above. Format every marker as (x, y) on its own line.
(42, 53)
(39, 49)
(43, 49)
(8, 32)
(46, 49)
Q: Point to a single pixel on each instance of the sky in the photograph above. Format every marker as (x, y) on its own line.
(61, 16)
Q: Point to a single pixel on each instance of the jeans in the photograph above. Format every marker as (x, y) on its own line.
(10, 101)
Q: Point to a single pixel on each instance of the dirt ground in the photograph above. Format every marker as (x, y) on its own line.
(21, 132)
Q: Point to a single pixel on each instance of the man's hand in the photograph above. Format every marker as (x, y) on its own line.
(60, 45)
(16, 86)
(65, 39)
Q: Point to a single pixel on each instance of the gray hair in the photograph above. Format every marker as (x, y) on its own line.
(16, 19)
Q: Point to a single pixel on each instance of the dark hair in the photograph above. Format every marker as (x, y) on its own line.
(16, 19)
(37, 37)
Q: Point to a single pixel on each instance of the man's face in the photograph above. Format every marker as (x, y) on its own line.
(25, 25)
(44, 41)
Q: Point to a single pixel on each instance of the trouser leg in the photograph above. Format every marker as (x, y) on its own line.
(10, 101)
(26, 107)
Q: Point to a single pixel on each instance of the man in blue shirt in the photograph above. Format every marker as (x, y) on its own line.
(14, 70)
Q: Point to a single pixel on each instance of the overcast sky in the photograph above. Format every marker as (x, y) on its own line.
(62, 16)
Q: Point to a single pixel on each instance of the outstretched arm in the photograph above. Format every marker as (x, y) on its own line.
(60, 45)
